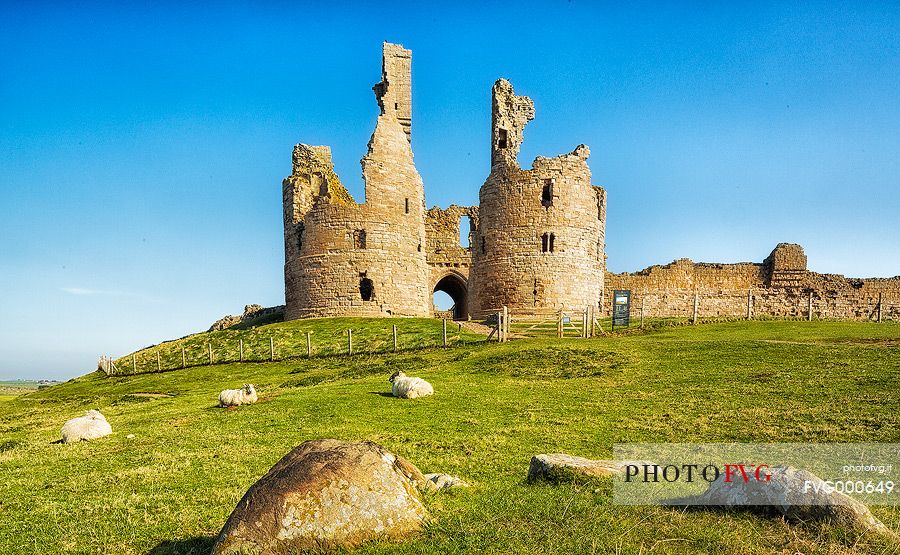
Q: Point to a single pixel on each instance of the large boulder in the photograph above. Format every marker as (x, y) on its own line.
(797, 494)
(560, 467)
(326, 494)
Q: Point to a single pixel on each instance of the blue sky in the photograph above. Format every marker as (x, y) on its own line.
(142, 145)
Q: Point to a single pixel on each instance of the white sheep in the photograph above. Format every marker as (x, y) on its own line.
(405, 387)
(83, 428)
(234, 397)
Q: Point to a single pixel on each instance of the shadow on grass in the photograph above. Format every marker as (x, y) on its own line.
(382, 393)
(191, 546)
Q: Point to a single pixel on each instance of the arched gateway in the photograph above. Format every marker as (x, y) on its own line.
(455, 285)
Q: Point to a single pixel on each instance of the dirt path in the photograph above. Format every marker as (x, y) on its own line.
(477, 327)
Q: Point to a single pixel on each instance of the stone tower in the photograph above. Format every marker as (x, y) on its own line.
(540, 239)
(345, 258)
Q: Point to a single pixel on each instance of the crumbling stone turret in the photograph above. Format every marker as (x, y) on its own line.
(345, 258)
(509, 116)
(540, 240)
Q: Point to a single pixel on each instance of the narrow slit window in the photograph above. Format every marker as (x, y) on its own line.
(407, 206)
(396, 105)
(547, 242)
(359, 239)
(502, 139)
(483, 246)
(300, 229)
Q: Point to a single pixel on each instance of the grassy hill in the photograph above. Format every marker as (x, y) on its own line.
(169, 489)
(286, 340)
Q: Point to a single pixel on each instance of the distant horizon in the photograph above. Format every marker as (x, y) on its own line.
(144, 146)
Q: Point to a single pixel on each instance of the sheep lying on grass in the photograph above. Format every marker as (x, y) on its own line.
(90, 426)
(234, 397)
(405, 387)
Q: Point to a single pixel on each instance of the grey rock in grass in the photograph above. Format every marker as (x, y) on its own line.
(437, 481)
(558, 467)
(326, 494)
(787, 493)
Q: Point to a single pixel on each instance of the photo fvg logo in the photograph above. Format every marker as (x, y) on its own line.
(690, 473)
(756, 473)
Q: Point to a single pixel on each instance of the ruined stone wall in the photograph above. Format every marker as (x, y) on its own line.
(780, 286)
(540, 239)
(442, 231)
(344, 258)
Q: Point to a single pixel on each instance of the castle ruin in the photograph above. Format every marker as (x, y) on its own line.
(536, 239)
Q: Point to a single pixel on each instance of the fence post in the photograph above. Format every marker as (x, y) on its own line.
(749, 304)
(133, 363)
(241, 349)
(158, 363)
(444, 326)
(209, 351)
(308, 345)
(349, 342)
(395, 337)
(272, 349)
(500, 327)
(505, 323)
(879, 307)
(696, 307)
(559, 324)
(809, 309)
(183, 358)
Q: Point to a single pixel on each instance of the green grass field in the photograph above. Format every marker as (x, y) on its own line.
(9, 390)
(170, 488)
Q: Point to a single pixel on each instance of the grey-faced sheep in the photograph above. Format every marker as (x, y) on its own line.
(83, 428)
(235, 397)
(404, 387)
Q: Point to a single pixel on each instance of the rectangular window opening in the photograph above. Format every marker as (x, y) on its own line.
(547, 193)
(502, 139)
(464, 231)
(359, 239)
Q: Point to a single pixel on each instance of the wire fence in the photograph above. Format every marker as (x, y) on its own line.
(277, 345)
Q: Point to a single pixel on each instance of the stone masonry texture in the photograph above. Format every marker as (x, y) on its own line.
(536, 241)
(780, 286)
